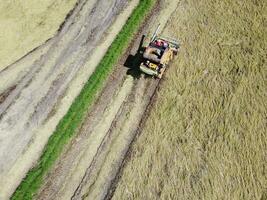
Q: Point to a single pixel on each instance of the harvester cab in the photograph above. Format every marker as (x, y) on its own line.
(158, 54)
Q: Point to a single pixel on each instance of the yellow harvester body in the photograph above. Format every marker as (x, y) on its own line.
(158, 54)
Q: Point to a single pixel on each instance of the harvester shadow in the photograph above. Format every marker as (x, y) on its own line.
(134, 61)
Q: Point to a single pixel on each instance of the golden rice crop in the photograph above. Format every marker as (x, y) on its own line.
(205, 137)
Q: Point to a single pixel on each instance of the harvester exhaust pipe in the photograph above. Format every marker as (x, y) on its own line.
(141, 43)
(155, 33)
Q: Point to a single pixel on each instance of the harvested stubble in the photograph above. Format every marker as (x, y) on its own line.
(205, 137)
(24, 25)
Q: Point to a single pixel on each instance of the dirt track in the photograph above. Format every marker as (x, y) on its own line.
(47, 80)
(89, 165)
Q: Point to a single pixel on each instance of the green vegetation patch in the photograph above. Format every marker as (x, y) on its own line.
(67, 127)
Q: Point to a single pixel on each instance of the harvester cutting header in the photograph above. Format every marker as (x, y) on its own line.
(158, 54)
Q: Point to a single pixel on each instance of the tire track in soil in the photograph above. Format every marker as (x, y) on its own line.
(25, 110)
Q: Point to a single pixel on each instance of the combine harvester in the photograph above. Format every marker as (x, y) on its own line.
(158, 54)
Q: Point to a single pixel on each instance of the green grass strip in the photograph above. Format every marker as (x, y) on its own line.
(68, 125)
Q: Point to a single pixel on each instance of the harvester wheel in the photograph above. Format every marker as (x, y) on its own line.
(175, 52)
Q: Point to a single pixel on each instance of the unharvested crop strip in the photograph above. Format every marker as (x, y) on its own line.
(67, 127)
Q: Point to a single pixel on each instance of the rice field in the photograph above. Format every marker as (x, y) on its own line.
(205, 137)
